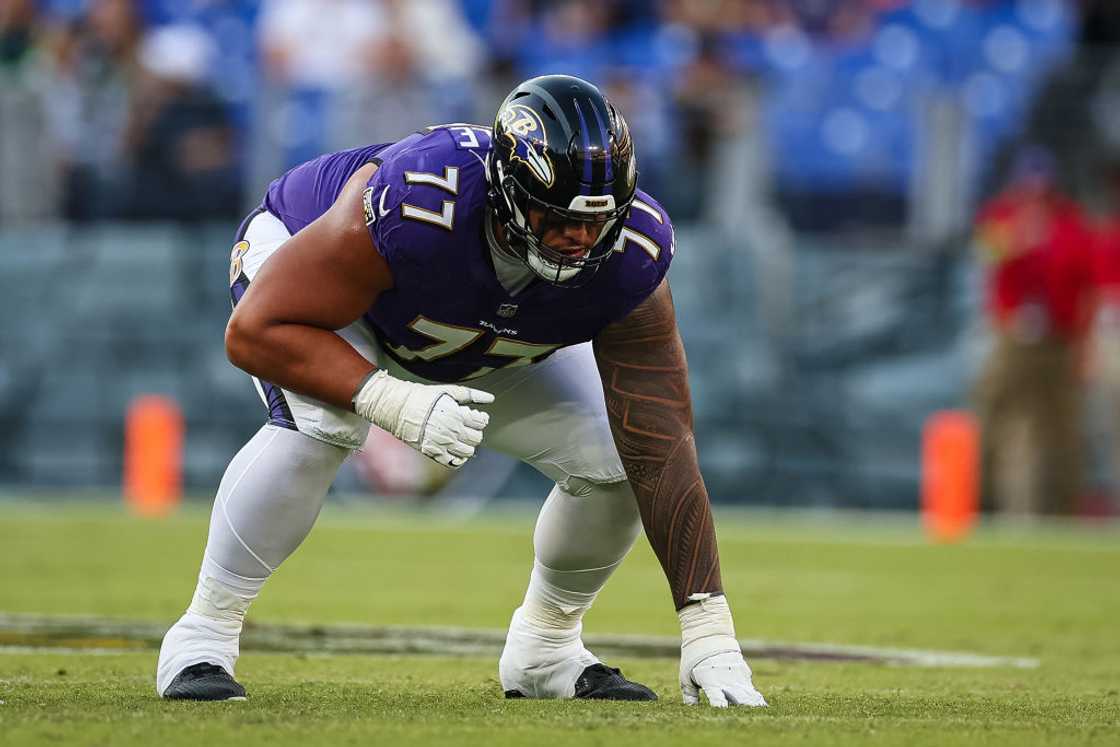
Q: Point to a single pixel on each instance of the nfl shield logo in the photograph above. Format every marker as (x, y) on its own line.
(507, 310)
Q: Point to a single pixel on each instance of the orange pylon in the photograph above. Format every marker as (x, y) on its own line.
(153, 455)
(950, 475)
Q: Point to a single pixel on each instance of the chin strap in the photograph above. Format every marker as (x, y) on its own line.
(553, 273)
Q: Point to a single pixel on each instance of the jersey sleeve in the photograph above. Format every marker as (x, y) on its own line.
(410, 205)
(647, 245)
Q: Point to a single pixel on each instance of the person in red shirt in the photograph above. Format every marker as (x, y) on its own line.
(1106, 330)
(1039, 252)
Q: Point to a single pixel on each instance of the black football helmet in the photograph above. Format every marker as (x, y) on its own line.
(560, 148)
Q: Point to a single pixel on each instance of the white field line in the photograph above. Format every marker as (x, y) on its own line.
(19, 633)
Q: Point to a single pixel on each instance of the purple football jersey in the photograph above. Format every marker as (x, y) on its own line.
(307, 191)
(448, 318)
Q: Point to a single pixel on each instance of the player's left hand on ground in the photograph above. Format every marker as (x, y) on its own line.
(725, 679)
(711, 660)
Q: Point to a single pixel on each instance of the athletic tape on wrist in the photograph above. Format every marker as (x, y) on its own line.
(706, 630)
(361, 386)
(381, 401)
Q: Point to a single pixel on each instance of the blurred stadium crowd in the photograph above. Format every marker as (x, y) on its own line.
(830, 164)
(156, 109)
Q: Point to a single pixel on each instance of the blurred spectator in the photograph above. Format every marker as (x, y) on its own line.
(719, 15)
(18, 31)
(648, 115)
(337, 44)
(1106, 331)
(28, 183)
(86, 91)
(836, 20)
(1100, 23)
(839, 20)
(179, 141)
(1038, 249)
(694, 100)
(710, 104)
(455, 53)
(502, 24)
(320, 44)
(568, 36)
(352, 71)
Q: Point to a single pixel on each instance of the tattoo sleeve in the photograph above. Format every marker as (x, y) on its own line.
(645, 380)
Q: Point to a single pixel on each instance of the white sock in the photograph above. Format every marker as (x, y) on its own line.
(549, 607)
(210, 629)
(267, 502)
(578, 541)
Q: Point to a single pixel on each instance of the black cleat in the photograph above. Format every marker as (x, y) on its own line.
(600, 682)
(204, 682)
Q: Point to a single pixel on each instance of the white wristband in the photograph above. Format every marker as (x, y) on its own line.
(435, 419)
(381, 401)
(706, 630)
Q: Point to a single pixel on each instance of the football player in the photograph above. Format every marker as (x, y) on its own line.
(467, 280)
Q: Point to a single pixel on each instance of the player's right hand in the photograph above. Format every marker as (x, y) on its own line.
(434, 419)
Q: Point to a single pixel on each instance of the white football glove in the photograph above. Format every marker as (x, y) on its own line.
(431, 418)
(711, 659)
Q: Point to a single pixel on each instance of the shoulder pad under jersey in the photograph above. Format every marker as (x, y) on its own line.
(646, 246)
(427, 197)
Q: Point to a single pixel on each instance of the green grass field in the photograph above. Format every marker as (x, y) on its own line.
(1052, 593)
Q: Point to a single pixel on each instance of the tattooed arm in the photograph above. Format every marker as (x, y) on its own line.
(645, 381)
